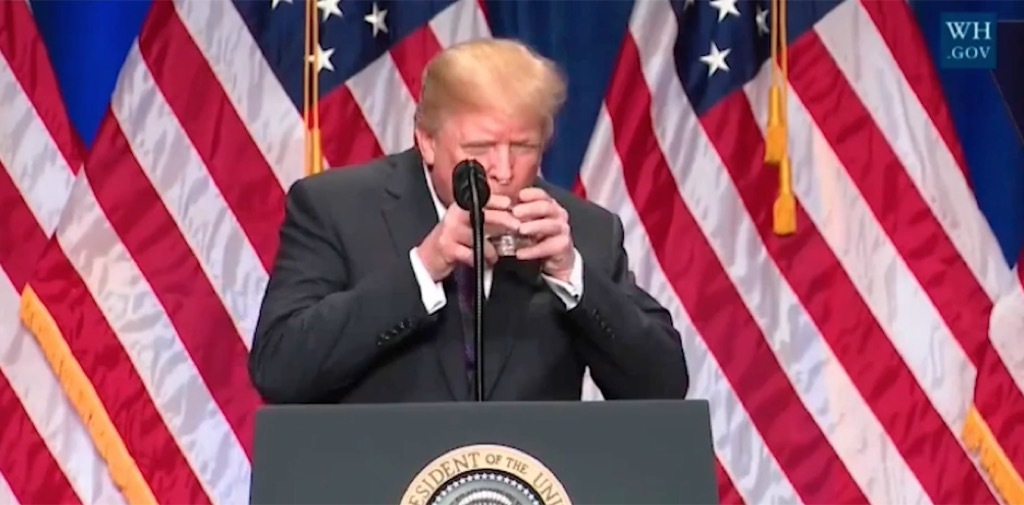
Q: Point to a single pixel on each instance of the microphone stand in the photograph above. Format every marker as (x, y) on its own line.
(476, 219)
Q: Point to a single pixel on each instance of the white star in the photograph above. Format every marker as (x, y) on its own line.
(725, 7)
(274, 3)
(715, 60)
(329, 7)
(323, 59)
(376, 19)
(762, 21)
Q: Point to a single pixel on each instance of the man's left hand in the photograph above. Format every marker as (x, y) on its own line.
(547, 223)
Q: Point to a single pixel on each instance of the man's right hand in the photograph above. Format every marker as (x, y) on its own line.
(451, 241)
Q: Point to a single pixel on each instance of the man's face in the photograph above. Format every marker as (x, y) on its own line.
(509, 150)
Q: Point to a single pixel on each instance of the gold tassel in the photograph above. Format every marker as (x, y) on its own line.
(775, 135)
(776, 150)
(784, 211)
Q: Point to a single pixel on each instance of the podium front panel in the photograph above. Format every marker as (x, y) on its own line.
(564, 453)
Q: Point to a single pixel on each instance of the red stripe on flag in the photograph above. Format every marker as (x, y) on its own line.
(25, 462)
(899, 28)
(578, 188)
(120, 389)
(169, 265)
(727, 493)
(411, 56)
(718, 312)
(352, 141)
(220, 137)
(23, 239)
(1020, 268)
(26, 54)
(874, 366)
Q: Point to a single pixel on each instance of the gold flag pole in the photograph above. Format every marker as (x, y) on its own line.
(311, 90)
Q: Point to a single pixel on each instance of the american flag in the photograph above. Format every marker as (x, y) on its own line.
(873, 355)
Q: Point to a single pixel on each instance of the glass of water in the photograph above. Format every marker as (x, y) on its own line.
(506, 244)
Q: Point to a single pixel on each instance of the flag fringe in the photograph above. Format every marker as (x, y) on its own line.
(978, 438)
(80, 392)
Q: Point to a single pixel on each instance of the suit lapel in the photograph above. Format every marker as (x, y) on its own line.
(410, 215)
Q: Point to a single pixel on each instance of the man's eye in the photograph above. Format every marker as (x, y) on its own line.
(525, 147)
(476, 150)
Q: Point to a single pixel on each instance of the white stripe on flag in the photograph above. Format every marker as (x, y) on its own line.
(31, 156)
(386, 103)
(459, 22)
(1007, 331)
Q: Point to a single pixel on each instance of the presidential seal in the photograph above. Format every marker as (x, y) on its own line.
(485, 475)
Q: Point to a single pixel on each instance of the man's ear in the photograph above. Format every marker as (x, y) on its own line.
(425, 143)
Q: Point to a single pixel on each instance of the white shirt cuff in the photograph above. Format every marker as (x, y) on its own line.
(431, 292)
(569, 292)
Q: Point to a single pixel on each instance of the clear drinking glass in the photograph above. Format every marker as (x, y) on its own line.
(507, 242)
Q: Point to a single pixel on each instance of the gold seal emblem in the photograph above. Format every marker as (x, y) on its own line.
(485, 475)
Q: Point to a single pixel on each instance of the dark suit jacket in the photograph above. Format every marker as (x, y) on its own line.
(342, 319)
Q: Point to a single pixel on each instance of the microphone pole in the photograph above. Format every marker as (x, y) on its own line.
(471, 192)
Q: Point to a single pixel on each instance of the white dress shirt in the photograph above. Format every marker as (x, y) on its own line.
(433, 294)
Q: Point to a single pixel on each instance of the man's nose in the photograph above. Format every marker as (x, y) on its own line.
(500, 167)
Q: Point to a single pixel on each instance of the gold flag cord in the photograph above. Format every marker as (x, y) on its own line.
(311, 90)
(776, 150)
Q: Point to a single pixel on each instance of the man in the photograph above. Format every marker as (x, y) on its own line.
(363, 303)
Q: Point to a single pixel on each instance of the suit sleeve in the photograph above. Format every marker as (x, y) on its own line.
(625, 337)
(318, 331)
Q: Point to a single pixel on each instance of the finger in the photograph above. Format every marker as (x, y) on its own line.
(501, 219)
(456, 214)
(499, 202)
(490, 253)
(538, 209)
(462, 254)
(533, 194)
(461, 245)
(543, 249)
(461, 235)
(544, 228)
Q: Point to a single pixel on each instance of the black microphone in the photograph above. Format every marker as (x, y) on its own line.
(471, 192)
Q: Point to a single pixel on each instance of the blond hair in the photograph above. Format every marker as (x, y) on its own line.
(491, 75)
